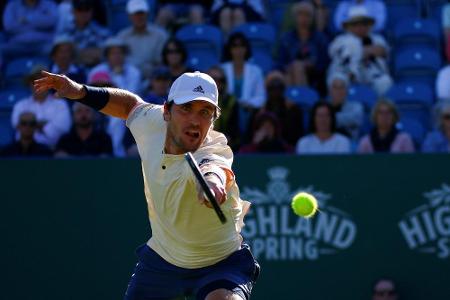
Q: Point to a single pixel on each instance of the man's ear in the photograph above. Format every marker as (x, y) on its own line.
(166, 112)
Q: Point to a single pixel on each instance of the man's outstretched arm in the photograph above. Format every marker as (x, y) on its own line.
(110, 101)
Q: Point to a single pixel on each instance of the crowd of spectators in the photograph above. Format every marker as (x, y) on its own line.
(327, 48)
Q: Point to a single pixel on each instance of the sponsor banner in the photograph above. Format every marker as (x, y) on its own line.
(380, 215)
(426, 228)
(275, 233)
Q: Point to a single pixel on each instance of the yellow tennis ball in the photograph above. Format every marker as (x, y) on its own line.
(304, 205)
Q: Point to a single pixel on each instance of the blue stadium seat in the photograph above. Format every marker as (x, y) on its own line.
(117, 16)
(433, 9)
(6, 130)
(277, 10)
(368, 97)
(202, 59)
(417, 31)
(364, 94)
(415, 129)
(400, 9)
(304, 97)
(7, 100)
(17, 69)
(261, 37)
(414, 101)
(417, 63)
(203, 44)
(9, 97)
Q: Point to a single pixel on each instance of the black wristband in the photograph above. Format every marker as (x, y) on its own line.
(96, 97)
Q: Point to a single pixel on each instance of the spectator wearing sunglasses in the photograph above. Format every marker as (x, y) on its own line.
(439, 140)
(384, 289)
(174, 57)
(26, 145)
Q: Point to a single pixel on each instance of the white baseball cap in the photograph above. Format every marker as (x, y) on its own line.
(134, 6)
(194, 86)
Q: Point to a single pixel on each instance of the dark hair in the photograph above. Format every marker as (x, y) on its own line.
(236, 36)
(56, 47)
(312, 114)
(390, 104)
(384, 278)
(219, 69)
(179, 45)
(107, 49)
(170, 103)
(261, 117)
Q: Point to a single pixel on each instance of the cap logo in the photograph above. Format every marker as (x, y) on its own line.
(199, 89)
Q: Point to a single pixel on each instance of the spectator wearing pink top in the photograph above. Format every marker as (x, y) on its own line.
(384, 136)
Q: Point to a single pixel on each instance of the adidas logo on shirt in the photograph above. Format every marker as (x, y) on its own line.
(199, 89)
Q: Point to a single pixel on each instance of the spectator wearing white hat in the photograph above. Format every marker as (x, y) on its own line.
(360, 54)
(375, 8)
(125, 76)
(63, 56)
(147, 57)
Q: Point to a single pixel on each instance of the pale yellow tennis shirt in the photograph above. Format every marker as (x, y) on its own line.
(184, 232)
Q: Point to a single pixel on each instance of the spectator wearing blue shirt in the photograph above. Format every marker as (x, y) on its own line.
(439, 140)
(303, 50)
(29, 27)
(89, 35)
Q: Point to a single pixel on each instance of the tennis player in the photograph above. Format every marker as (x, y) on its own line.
(190, 251)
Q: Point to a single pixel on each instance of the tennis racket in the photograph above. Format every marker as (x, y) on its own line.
(201, 180)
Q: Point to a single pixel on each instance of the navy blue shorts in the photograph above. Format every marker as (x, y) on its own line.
(156, 279)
